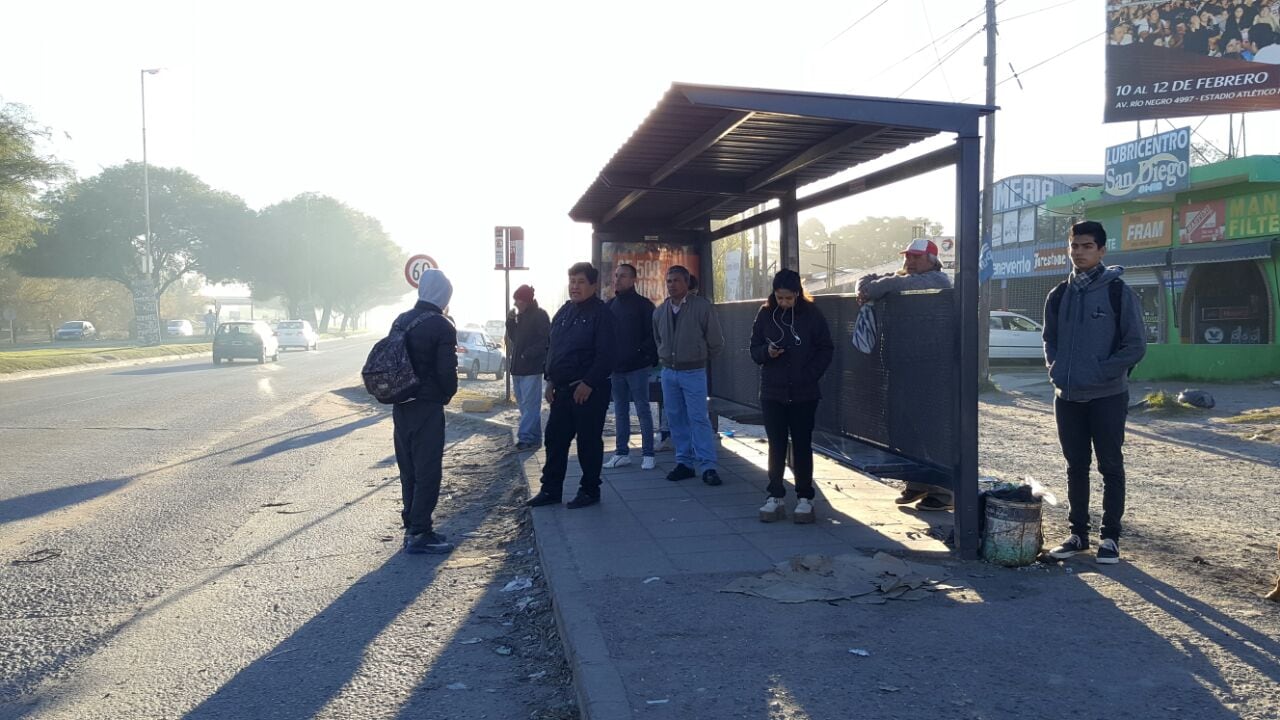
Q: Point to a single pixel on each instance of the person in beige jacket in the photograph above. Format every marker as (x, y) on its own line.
(688, 336)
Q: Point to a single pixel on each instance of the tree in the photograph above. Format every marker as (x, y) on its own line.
(877, 240)
(315, 251)
(96, 229)
(23, 172)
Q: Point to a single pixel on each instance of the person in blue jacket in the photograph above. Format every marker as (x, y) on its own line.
(1093, 336)
(792, 344)
(580, 359)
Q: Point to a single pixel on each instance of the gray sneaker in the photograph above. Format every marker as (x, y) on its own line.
(433, 543)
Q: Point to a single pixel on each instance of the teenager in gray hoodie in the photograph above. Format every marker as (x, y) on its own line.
(1093, 336)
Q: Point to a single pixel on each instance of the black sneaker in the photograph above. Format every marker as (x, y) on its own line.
(583, 500)
(430, 542)
(681, 472)
(1108, 552)
(543, 498)
(933, 504)
(523, 446)
(909, 496)
(711, 477)
(1069, 547)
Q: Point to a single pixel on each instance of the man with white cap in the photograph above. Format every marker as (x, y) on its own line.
(419, 421)
(921, 270)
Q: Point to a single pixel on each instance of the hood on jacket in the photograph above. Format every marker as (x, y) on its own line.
(435, 288)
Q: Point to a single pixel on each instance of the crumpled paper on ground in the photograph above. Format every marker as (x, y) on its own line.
(822, 578)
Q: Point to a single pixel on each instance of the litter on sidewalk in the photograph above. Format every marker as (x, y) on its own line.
(822, 578)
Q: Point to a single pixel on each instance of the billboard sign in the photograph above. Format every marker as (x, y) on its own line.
(1164, 60)
(1253, 215)
(1203, 222)
(1152, 165)
(508, 247)
(1149, 229)
(651, 261)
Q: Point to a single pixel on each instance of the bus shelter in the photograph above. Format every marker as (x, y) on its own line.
(712, 161)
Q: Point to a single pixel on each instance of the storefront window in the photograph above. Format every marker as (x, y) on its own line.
(1226, 304)
(1152, 313)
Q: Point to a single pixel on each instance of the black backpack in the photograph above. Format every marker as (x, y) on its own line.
(388, 372)
(1115, 292)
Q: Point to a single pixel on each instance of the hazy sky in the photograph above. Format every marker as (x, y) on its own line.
(445, 119)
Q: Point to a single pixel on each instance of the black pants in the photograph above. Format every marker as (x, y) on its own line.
(419, 436)
(585, 422)
(1100, 424)
(795, 420)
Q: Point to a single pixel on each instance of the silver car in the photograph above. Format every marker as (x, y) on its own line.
(479, 354)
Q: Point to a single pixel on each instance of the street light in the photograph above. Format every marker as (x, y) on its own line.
(146, 183)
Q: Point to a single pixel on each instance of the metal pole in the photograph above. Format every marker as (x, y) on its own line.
(146, 181)
(988, 182)
(506, 350)
(965, 474)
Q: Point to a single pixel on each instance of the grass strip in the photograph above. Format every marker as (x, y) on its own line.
(52, 358)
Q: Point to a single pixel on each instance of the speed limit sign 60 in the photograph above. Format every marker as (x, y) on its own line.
(413, 269)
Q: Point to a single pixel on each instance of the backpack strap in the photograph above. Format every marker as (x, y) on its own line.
(416, 321)
(1055, 298)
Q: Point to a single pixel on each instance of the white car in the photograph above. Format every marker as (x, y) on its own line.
(478, 354)
(179, 328)
(1015, 336)
(297, 334)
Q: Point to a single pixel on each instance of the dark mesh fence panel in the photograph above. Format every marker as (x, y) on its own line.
(900, 397)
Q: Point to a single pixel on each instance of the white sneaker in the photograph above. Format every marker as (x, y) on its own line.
(804, 511)
(617, 461)
(648, 463)
(774, 508)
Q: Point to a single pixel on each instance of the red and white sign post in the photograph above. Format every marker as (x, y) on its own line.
(413, 269)
(508, 255)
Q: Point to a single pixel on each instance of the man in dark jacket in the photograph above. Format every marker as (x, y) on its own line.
(1090, 349)
(419, 421)
(528, 329)
(637, 354)
(579, 361)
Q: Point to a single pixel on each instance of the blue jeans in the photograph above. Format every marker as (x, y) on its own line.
(684, 393)
(629, 387)
(528, 389)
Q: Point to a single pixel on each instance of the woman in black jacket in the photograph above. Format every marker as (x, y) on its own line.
(792, 344)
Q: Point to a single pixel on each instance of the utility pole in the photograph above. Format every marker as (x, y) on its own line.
(988, 181)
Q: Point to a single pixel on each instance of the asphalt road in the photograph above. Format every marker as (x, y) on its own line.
(185, 540)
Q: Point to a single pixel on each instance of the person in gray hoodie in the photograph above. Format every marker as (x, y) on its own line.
(688, 336)
(1093, 336)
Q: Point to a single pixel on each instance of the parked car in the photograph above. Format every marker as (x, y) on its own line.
(298, 334)
(76, 330)
(251, 339)
(179, 328)
(1015, 336)
(496, 330)
(478, 354)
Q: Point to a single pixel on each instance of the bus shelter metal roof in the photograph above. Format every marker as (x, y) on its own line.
(710, 152)
(707, 153)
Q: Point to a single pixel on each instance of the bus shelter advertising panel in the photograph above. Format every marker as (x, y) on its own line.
(1174, 59)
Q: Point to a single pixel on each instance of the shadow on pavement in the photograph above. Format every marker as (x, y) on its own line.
(36, 504)
(327, 653)
(312, 438)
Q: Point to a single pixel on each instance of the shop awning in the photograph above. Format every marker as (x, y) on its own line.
(1219, 252)
(1138, 258)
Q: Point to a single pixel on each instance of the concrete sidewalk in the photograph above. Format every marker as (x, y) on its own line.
(602, 560)
(636, 584)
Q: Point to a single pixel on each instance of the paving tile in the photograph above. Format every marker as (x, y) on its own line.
(733, 497)
(726, 561)
(750, 509)
(645, 566)
(702, 544)
(675, 512)
(661, 505)
(666, 490)
(686, 529)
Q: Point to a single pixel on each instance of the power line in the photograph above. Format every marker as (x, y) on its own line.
(932, 43)
(1035, 12)
(1053, 57)
(855, 23)
(950, 53)
(929, 27)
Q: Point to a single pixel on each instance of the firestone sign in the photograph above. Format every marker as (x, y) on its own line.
(1152, 165)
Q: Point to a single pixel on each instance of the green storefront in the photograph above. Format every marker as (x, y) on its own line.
(1203, 261)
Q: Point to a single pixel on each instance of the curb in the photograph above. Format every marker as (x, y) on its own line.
(84, 367)
(596, 681)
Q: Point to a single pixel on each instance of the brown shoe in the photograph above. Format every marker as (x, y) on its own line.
(909, 496)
